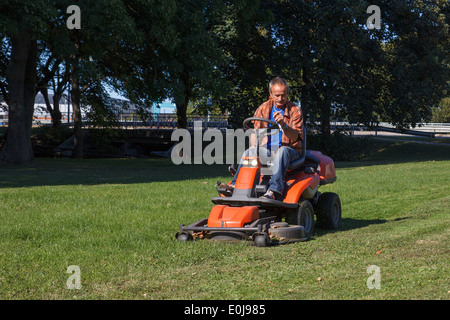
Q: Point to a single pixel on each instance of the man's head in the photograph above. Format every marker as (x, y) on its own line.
(279, 91)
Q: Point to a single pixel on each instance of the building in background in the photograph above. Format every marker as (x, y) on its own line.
(42, 115)
(166, 107)
(162, 115)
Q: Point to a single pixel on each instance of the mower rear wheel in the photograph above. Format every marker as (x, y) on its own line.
(303, 216)
(328, 211)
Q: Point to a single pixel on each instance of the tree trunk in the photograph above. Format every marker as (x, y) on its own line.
(304, 99)
(55, 113)
(57, 95)
(325, 113)
(76, 99)
(181, 115)
(22, 77)
(77, 121)
(182, 102)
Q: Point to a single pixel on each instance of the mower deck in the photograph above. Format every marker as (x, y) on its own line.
(263, 232)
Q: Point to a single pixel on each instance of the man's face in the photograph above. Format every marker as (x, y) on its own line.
(279, 95)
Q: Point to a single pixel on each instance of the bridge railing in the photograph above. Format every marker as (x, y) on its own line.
(133, 120)
(169, 121)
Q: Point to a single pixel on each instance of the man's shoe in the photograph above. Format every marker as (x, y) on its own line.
(232, 170)
(269, 195)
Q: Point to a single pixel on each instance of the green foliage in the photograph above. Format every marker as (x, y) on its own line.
(190, 51)
(28, 14)
(101, 141)
(416, 54)
(101, 111)
(51, 136)
(337, 67)
(4, 59)
(441, 113)
(248, 43)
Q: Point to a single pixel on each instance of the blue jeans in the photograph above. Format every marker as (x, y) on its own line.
(283, 156)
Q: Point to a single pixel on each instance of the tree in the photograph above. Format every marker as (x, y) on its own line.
(441, 113)
(104, 24)
(5, 53)
(338, 67)
(141, 56)
(329, 57)
(246, 39)
(53, 68)
(417, 51)
(177, 55)
(22, 26)
(194, 61)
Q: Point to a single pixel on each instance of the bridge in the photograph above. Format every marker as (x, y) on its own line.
(168, 121)
(423, 129)
(137, 137)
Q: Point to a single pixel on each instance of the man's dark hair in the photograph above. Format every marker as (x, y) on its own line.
(278, 81)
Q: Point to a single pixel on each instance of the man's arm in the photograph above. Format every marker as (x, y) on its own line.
(291, 133)
(259, 113)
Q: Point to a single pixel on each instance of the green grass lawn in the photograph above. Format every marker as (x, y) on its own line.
(116, 219)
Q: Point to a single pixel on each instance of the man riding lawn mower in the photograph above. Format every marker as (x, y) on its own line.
(276, 179)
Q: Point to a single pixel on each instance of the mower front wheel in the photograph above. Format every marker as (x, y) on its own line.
(184, 236)
(261, 239)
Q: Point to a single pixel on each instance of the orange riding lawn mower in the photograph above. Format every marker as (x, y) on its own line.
(240, 214)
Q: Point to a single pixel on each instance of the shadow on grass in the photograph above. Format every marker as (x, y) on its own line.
(50, 172)
(350, 224)
(396, 152)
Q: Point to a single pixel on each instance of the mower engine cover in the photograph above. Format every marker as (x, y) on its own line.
(232, 217)
(327, 171)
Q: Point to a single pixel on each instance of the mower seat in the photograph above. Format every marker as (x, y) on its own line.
(299, 162)
(311, 160)
(296, 163)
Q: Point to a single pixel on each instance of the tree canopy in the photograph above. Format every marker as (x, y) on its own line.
(227, 51)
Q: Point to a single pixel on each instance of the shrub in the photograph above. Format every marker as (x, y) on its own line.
(341, 147)
(52, 136)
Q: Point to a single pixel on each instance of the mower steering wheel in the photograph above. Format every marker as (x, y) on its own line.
(273, 124)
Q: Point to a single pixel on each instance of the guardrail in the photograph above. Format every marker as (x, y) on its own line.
(410, 132)
(423, 129)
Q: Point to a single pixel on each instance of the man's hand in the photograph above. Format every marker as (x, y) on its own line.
(288, 131)
(279, 119)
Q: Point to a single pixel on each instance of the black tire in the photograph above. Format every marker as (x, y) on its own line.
(183, 237)
(303, 216)
(261, 240)
(329, 211)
